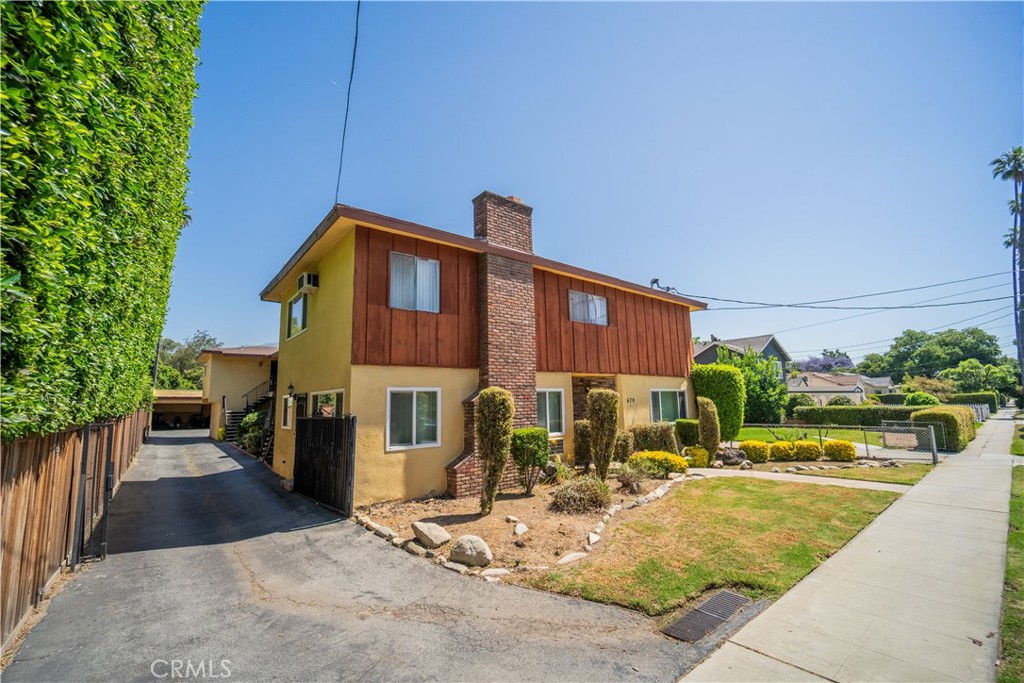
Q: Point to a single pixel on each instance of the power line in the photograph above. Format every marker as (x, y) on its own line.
(813, 304)
(348, 102)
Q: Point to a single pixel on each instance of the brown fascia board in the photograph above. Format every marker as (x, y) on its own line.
(389, 224)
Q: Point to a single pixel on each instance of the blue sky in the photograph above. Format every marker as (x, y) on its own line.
(769, 151)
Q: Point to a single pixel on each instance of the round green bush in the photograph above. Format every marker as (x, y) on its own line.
(921, 398)
(724, 385)
(840, 401)
(687, 432)
(531, 451)
(699, 456)
(797, 400)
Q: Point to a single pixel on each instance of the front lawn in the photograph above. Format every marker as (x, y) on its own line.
(909, 473)
(757, 536)
(765, 434)
(1012, 632)
(1017, 447)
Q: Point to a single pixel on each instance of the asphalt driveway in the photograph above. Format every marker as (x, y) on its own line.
(211, 560)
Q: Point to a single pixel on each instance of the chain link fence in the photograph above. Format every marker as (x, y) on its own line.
(905, 441)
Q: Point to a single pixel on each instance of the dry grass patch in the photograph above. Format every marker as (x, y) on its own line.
(757, 536)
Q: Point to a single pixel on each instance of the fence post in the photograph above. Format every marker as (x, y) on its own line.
(935, 453)
(821, 442)
(867, 448)
(109, 493)
(76, 550)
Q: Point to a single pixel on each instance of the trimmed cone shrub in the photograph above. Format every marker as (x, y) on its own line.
(756, 451)
(664, 462)
(687, 432)
(724, 385)
(603, 415)
(840, 401)
(623, 446)
(797, 400)
(921, 398)
(582, 494)
(495, 409)
(957, 420)
(531, 451)
(839, 450)
(708, 425)
(660, 436)
(581, 444)
(806, 450)
(783, 451)
(699, 455)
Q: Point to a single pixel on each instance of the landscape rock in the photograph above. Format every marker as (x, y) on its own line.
(520, 529)
(607, 518)
(456, 567)
(599, 529)
(791, 469)
(572, 557)
(717, 464)
(614, 509)
(532, 568)
(414, 548)
(663, 489)
(732, 456)
(775, 469)
(512, 519)
(471, 550)
(746, 465)
(397, 542)
(370, 526)
(496, 571)
(587, 547)
(431, 535)
(384, 532)
(592, 538)
(800, 468)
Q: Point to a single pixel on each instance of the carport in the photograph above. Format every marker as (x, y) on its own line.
(180, 408)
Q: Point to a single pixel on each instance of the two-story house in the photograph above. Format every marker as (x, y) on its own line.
(401, 324)
(767, 345)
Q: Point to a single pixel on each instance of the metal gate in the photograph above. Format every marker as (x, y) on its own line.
(325, 454)
(96, 487)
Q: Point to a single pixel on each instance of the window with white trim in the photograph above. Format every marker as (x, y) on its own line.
(286, 412)
(667, 405)
(415, 283)
(414, 418)
(588, 308)
(296, 315)
(328, 403)
(551, 410)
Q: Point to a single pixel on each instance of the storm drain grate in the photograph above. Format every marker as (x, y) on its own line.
(706, 617)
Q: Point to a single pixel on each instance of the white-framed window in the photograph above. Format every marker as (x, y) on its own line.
(414, 417)
(286, 412)
(588, 308)
(667, 405)
(781, 368)
(415, 283)
(296, 315)
(551, 410)
(328, 403)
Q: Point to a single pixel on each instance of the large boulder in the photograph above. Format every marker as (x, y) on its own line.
(430, 534)
(732, 456)
(472, 551)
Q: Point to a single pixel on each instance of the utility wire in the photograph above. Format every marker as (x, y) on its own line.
(813, 304)
(348, 102)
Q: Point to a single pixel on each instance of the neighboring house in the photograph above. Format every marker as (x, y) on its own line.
(823, 386)
(179, 408)
(401, 324)
(767, 345)
(237, 379)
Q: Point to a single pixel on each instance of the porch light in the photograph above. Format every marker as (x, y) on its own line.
(291, 390)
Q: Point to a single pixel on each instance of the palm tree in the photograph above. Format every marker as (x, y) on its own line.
(1010, 166)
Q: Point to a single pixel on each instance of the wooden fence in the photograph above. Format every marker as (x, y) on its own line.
(40, 493)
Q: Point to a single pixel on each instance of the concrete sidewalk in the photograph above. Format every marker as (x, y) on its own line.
(916, 596)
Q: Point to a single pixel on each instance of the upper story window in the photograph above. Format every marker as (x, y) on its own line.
(667, 405)
(415, 283)
(296, 315)
(550, 413)
(588, 308)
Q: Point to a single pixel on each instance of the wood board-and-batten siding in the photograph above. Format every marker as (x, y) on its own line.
(644, 336)
(382, 335)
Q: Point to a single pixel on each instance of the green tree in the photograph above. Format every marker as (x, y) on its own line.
(971, 376)
(766, 395)
(1010, 166)
(184, 357)
(942, 388)
(169, 378)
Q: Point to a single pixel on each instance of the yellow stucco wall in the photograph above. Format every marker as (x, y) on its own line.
(319, 358)
(635, 396)
(231, 377)
(398, 474)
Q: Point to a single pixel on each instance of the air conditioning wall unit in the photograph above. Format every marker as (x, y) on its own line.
(308, 283)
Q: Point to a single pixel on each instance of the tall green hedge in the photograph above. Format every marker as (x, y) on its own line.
(97, 107)
(724, 385)
(891, 399)
(858, 416)
(977, 398)
(958, 422)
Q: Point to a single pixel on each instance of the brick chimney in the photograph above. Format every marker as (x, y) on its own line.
(508, 346)
(504, 221)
